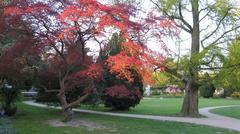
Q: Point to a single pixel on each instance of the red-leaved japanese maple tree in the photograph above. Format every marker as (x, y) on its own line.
(65, 30)
(16, 46)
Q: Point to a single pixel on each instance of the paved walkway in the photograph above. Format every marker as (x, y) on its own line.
(211, 120)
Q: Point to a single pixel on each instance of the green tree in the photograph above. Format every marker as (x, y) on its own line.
(163, 79)
(209, 23)
(229, 76)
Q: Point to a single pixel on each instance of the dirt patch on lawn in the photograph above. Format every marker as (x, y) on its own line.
(78, 123)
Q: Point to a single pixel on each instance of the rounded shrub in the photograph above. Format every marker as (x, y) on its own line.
(207, 90)
(121, 98)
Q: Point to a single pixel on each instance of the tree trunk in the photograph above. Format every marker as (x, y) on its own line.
(190, 102)
(68, 114)
(67, 106)
(67, 111)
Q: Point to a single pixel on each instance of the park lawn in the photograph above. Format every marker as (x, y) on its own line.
(233, 112)
(32, 120)
(165, 106)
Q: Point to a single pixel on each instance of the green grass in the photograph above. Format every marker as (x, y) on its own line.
(228, 111)
(32, 120)
(6, 126)
(167, 106)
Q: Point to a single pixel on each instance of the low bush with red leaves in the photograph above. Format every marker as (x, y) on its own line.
(121, 98)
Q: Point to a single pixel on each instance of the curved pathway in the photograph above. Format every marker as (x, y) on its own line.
(211, 120)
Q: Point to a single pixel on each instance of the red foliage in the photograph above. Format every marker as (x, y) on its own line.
(13, 63)
(134, 57)
(64, 29)
(121, 98)
(122, 91)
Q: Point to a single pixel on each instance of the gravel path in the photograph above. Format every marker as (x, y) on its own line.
(211, 120)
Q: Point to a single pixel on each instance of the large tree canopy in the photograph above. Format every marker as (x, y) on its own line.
(63, 32)
(229, 76)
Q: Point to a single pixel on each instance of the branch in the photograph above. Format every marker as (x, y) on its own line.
(188, 27)
(184, 28)
(80, 98)
(205, 16)
(181, 17)
(226, 32)
(215, 30)
(175, 73)
(48, 90)
(207, 7)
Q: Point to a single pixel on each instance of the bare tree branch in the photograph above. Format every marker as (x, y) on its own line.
(215, 30)
(81, 98)
(181, 17)
(48, 90)
(187, 27)
(204, 16)
(226, 32)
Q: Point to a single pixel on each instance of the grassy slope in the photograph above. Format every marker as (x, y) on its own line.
(32, 120)
(228, 111)
(168, 106)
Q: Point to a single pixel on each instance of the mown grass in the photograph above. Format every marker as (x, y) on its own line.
(233, 112)
(33, 120)
(166, 106)
(6, 126)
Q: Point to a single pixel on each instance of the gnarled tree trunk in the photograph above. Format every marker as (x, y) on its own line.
(67, 112)
(190, 102)
(67, 106)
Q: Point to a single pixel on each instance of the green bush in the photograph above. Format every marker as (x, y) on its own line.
(47, 97)
(9, 95)
(207, 90)
(155, 92)
(236, 95)
(10, 110)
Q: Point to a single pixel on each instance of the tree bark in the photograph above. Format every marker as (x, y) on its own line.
(190, 102)
(67, 106)
(67, 111)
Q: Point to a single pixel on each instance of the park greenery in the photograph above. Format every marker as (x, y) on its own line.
(95, 55)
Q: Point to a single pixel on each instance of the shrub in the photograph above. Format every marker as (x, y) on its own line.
(207, 90)
(236, 95)
(43, 96)
(155, 92)
(172, 95)
(9, 95)
(121, 98)
(10, 110)
(227, 93)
